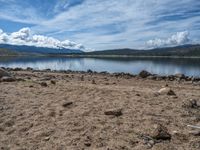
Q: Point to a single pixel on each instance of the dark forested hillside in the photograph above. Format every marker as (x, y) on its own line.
(185, 50)
(37, 50)
(6, 52)
(181, 51)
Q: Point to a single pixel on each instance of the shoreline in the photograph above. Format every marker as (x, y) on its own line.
(143, 74)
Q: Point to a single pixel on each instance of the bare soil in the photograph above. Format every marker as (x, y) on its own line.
(73, 111)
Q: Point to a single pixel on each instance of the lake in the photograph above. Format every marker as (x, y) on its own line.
(161, 66)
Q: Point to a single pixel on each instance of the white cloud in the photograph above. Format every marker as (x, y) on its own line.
(3, 37)
(91, 22)
(179, 38)
(24, 37)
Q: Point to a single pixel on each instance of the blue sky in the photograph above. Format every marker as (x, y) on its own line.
(106, 24)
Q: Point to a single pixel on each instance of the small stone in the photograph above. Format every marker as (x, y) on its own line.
(116, 112)
(195, 133)
(89, 71)
(166, 91)
(47, 138)
(192, 103)
(4, 73)
(8, 79)
(87, 144)
(53, 82)
(82, 78)
(29, 68)
(17, 69)
(66, 104)
(179, 75)
(43, 84)
(151, 77)
(138, 94)
(93, 82)
(52, 113)
(144, 74)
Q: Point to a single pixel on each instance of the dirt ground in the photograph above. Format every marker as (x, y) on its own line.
(67, 111)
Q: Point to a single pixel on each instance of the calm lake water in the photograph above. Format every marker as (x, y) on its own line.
(162, 66)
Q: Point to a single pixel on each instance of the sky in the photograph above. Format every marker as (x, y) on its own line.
(100, 24)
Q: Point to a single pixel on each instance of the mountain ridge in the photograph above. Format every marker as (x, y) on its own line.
(182, 51)
(24, 49)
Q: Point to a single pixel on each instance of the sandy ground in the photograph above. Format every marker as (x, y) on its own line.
(69, 113)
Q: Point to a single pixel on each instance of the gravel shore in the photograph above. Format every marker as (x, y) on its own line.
(69, 110)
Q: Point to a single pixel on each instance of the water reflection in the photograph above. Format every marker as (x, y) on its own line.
(162, 66)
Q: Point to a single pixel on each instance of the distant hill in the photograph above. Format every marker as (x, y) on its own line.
(180, 51)
(184, 50)
(23, 49)
(6, 52)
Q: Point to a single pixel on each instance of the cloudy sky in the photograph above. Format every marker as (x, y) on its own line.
(100, 24)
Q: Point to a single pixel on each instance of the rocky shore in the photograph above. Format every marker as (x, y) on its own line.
(143, 74)
(45, 109)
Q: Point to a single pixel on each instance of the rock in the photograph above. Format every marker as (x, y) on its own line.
(196, 83)
(29, 68)
(93, 82)
(89, 71)
(170, 78)
(20, 79)
(195, 144)
(46, 138)
(66, 104)
(192, 103)
(195, 133)
(160, 132)
(53, 82)
(43, 84)
(195, 79)
(114, 112)
(82, 78)
(7, 79)
(137, 94)
(87, 144)
(180, 76)
(17, 69)
(166, 91)
(4, 73)
(144, 74)
(51, 113)
(152, 77)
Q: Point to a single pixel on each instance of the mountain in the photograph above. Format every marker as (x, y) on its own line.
(180, 51)
(183, 50)
(23, 49)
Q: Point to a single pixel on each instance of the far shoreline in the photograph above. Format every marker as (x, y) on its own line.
(102, 56)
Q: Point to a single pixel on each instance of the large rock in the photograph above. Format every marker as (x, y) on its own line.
(160, 132)
(179, 75)
(8, 79)
(4, 73)
(166, 91)
(144, 74)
